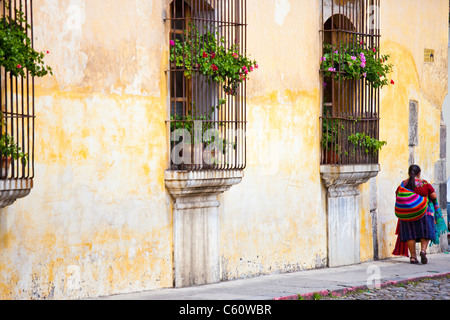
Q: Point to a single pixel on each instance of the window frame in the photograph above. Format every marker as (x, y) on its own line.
(200, 97)
(349, 106)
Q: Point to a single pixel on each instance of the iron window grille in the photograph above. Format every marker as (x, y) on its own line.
(349, 106)
(207, 122)
(17, 103)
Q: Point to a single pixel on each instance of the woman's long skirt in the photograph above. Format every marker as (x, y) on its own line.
(423, 228)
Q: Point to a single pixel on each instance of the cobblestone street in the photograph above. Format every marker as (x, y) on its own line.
(426, 289)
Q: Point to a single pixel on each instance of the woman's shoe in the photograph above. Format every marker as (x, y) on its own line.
(413, 260)
(423, 257)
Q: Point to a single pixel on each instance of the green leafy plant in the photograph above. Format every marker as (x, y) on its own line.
(188, 123)
(330, 133)
(208, 54)
(356, 61)
(8, 148)
(16, 49)
(365, 141)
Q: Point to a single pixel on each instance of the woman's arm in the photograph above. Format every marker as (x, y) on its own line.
(433, 196)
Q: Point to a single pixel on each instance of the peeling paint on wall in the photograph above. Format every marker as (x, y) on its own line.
(99, 219)
(282, 8)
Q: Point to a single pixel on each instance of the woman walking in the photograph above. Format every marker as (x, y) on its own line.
(420, 228)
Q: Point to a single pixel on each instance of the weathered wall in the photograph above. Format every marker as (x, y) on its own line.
(425, 25)
(99, 221)
(275, 219)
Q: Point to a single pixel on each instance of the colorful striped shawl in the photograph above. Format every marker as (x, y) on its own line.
(409, 206)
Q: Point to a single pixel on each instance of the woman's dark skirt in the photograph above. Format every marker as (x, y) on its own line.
(416, 230)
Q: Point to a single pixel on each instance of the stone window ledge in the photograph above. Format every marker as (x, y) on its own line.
(13, 189)
(197, 183)
(347, 177)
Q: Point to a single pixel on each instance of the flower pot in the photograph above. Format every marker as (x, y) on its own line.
(329, 157)
(192, 156)
(5, 164)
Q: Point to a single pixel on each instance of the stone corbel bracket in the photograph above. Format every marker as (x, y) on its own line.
(201, 183)
(344, 180)
(13, 189)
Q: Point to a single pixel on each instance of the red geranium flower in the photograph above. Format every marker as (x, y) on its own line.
(392, 81)
(205, 55)
(214, 67)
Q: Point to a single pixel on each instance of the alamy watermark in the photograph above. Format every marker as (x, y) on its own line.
(374, 280)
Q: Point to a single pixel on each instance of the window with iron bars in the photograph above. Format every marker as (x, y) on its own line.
(17, 97)
(351, 96)
(207, 108)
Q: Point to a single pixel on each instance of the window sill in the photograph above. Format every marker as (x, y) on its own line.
(343, 180)
(13, 189)
(201, 183)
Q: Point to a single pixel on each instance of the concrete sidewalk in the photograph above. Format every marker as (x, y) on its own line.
(305, 283)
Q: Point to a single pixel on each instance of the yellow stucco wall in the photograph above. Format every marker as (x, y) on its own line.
(99, 221)
(278, 211)
(426, 27)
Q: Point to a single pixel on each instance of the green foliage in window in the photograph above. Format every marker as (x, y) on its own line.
(208, 54)
(367, 142)
(356, 61)
(16, 51)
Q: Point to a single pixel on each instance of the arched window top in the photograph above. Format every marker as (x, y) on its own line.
(341, 28)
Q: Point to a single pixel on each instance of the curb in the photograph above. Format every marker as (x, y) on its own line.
(342, 292)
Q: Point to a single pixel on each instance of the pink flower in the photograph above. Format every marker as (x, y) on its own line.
(48, 52)
(172, 43)
(364, 74)
(19, 66)
(353, 57)
(374, 49)
(213, 55)
(332, 69)
(251, 69)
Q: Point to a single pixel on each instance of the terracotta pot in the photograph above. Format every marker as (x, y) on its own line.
(193, 156)
(330, 157)
(5, 164)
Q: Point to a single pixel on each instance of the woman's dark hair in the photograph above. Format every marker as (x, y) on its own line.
(412, 171)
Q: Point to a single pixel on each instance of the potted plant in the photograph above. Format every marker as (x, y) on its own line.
(9, 150)
(16, 51)
(331, 128)
(18, 58)
(209, 55)
(356, 61)
(195, 146)
(368, 143)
